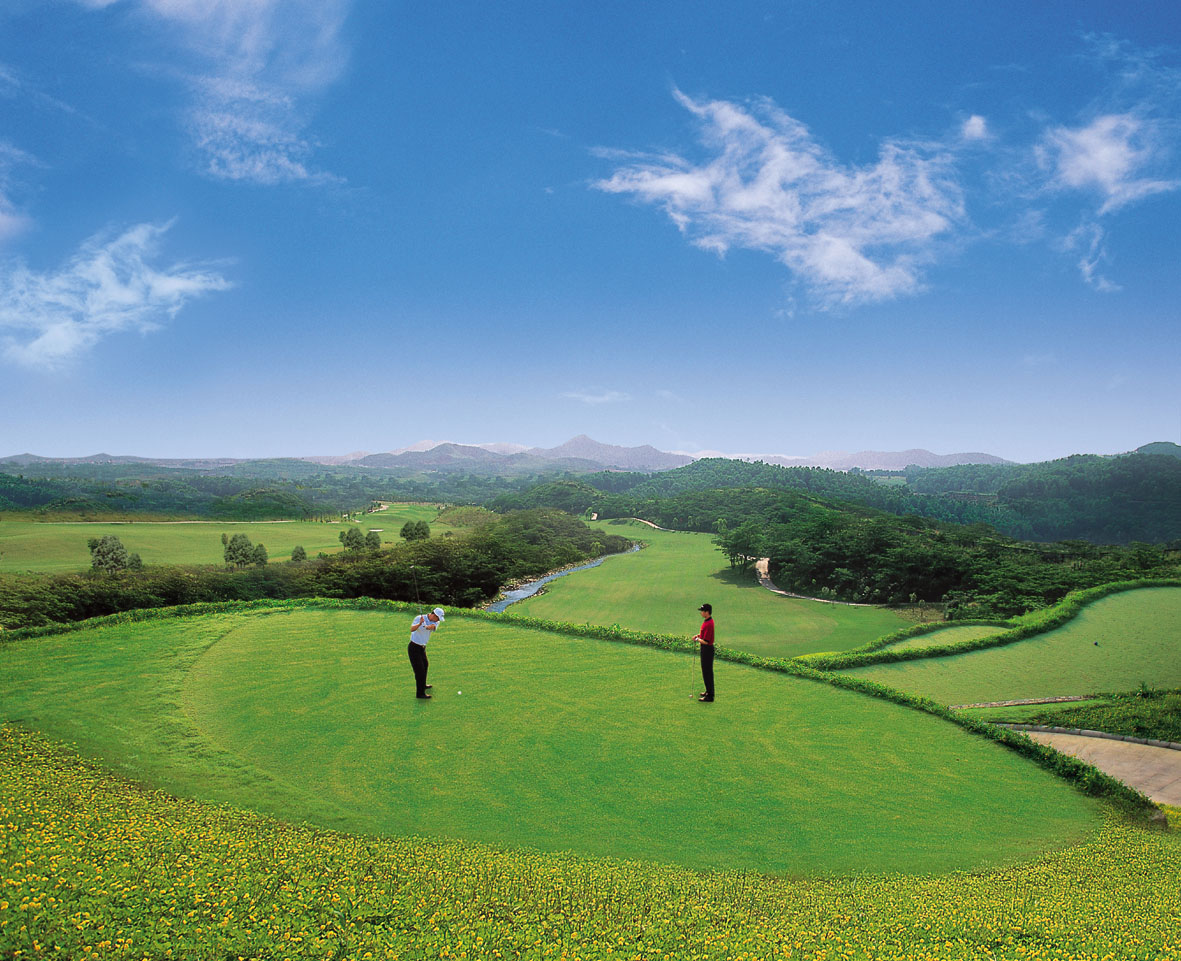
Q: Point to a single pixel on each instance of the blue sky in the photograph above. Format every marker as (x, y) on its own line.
(268, 227)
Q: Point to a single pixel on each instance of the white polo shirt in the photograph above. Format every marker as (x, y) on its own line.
(419, 632)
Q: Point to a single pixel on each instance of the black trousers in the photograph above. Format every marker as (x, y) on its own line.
(419, 662)
(707, 667)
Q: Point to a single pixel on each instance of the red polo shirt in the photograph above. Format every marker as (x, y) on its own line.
(707, 631)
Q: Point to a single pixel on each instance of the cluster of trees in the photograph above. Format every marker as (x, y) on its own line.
(355, 542)
(464, 570)
(415, 531)
(240, 552)
(108, 555)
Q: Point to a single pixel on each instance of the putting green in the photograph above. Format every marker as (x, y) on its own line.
(660, 588)
(1114, 644)
(556, 743)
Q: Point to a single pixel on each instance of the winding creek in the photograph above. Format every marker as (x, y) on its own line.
(532, 587)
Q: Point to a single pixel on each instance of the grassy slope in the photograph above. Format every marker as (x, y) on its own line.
(55, 548)
(1113, 644)
(660, 588)
(555, 743)
(946, 635)
(133, 873)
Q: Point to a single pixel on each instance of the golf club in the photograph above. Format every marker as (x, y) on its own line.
(417, 599)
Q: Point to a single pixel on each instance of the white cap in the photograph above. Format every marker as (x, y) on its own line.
(438, 612)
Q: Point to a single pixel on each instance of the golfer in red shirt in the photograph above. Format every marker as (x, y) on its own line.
(705, 643)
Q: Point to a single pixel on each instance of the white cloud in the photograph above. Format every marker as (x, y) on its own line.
(258, 62)
(247, 133)
(602, 397)
(1088, 238)
(848, 234)
(974, 128)
(1108, 156)
(109, 286)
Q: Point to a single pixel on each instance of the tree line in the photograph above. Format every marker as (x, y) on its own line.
(463, 570)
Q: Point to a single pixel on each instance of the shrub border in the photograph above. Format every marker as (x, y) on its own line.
(1026, 626)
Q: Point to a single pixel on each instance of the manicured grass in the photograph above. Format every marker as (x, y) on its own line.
(660, 588)
(557, 743)
(946, 635)
(1115, 643)
(96, 866)
(54, 548)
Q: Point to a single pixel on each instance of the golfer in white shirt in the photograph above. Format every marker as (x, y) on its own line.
(421, 629)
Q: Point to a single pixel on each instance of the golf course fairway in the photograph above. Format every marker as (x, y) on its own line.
(660, 588)
(307, 712)
(1115, 643)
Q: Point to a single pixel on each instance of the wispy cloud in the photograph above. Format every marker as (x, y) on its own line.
(12, 221)
(258, 63)
(671, 395)
(108, 287)
(1087, 241)
(1121, 151)
(848, 234)
(594, 399)
(1108, 156)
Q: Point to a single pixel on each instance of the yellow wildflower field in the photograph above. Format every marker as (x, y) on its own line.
(94, 866)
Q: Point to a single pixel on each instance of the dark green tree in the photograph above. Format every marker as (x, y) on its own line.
(742, 546)
(259, 555)
(108, 554)
(239, 551)
(298, 554)
(416, 530)
(373, 541)
(352, 539)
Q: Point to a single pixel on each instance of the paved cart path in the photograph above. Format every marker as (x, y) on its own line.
(1156, 771)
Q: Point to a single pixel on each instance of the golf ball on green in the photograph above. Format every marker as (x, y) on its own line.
(459, 692)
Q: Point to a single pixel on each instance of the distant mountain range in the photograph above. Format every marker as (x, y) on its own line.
(580, 453)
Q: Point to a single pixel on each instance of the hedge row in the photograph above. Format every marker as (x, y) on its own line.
(1085, 777)
(903, 634)
(1026, 626)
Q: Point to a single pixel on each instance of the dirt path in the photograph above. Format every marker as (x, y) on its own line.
(1156, 771)
(761, 566)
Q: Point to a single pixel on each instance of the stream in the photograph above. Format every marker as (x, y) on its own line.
(532, 587)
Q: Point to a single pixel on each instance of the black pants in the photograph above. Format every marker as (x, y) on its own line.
(707, 668)
(419, 662)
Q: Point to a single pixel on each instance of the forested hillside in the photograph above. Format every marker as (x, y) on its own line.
(1106, 500)
(825, 548)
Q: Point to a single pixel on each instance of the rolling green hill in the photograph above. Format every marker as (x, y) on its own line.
(1116, 643)
(557, 743)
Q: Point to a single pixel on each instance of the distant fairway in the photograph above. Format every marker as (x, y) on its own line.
(1114, 644)
(946, 635)
(55, 548)
(660, 588)
(556, 743)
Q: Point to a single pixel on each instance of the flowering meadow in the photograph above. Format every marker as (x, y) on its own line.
(95, 866)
